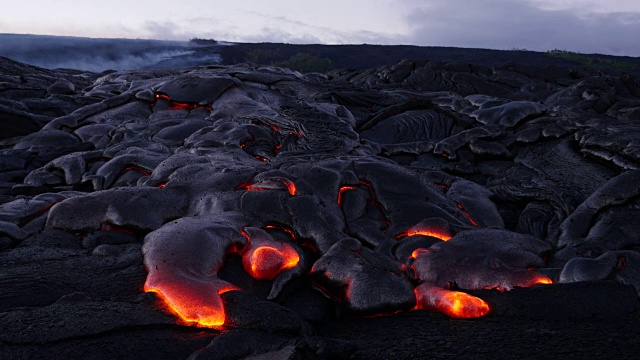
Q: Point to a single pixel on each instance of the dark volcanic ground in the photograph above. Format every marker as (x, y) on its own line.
(294, 213)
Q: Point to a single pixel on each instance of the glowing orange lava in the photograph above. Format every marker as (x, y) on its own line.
(266, 262)
(542, 280)
(527, 281)
(455, 304)
(473, 222)
(283, 228)
(290, 186)
(269, 184)
(342, 190)
(176, 105)
(195, 303)
(442, 235)
(417, 252)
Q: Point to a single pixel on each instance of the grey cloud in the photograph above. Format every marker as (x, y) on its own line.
(161, 30)
(278, 35)
(310, 34)
(505, 24)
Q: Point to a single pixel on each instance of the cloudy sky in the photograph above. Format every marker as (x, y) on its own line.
(604, 26)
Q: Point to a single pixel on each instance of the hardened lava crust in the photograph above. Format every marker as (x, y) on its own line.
(421, 210)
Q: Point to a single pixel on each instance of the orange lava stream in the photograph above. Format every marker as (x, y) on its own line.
(194, 305)
(267, 262)
(454, 304)
(425, 232)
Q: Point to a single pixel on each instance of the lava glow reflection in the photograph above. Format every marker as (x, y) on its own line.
(455, 304)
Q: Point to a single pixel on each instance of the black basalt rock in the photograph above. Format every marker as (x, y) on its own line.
(231, 212)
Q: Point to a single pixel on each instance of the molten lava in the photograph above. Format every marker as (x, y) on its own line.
(526, 280)
(194, 302)
(267, 262)
(417, 252)
(542, 280)
(285, 229)
(273, 183)
(455, 304)
(176, 105)
(342, 190)
(372, 201)
(442, 235)
(136, 168)
(473, 222)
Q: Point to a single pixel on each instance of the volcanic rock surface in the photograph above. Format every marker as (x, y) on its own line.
(245, 211)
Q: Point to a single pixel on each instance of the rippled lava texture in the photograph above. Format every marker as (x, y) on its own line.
(257, 197)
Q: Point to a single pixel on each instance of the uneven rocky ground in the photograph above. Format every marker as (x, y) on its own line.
(421, 210)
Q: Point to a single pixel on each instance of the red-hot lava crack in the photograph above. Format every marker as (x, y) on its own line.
(136, 168)
(272, 183)
(270, 145)
(371, 201)
(177, 105)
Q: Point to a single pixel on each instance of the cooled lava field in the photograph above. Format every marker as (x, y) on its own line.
(427, 209)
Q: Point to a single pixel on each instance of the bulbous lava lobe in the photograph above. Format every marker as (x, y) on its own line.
(183, 258)
(264, 258)
(623, 266)
(455, 304)
(367, 281)
(123, 207)
(483, 259)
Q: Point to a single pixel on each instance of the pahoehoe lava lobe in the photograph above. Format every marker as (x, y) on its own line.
(265, 203)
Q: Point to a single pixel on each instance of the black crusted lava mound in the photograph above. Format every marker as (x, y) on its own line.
(231, 212)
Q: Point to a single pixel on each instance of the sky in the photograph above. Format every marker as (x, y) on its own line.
(587, 26)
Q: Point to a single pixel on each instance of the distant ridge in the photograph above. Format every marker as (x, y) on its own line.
(129, 54)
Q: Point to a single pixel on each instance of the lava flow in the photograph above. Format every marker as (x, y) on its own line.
(267, 262)
(372, 201)
(473, 222)
(177, 105)
(455, 304)
(442, 235)
(263, 257)
(136, 168)
(273, 183)
(342, 190)
(192, 305)
(526, 280)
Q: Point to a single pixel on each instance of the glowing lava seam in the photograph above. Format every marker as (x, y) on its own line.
(454, 304)
(191, 313)
(424, 232)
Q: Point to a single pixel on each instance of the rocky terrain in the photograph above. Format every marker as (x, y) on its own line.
(428, 209)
